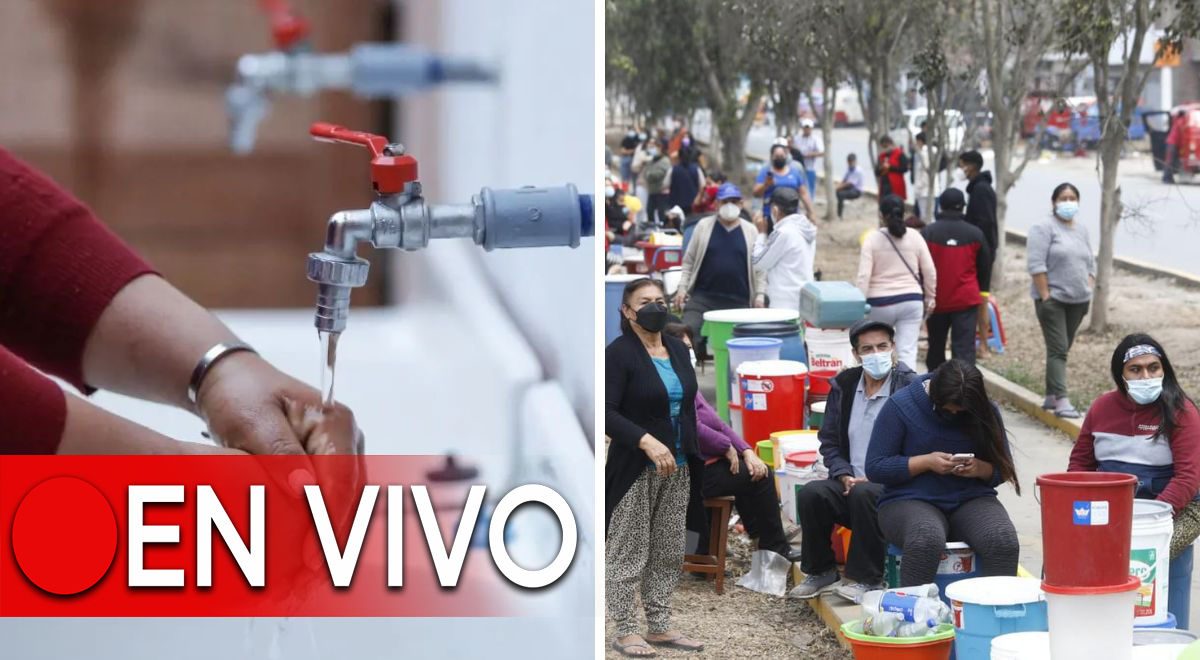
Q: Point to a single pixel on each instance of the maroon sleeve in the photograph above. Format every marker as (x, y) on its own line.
(1083, 454)
(59, 268)
(1185, 456)
(33, 410)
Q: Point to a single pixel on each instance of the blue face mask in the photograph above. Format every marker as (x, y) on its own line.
(1066, 210)
(877, 364)
(1144, 390)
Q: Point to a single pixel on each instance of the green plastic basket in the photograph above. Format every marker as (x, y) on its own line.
(853, 630)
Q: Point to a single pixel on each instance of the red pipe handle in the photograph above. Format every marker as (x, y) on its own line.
(287, 26)
(389, 173)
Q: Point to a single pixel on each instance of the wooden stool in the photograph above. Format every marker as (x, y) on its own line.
(713, 564)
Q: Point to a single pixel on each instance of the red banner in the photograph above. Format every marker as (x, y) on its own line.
(258, 536)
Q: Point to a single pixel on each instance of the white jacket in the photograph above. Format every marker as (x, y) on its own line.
(787, 258)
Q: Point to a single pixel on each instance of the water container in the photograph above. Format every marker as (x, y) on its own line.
(1091, 622)
(789, 332)
(1149, 559)
(984, 608)
(1021, 646)
(957, 563)
(772, 397)
(718, 329)
(832, 304)
(828, 350)
(749, 349)
(1179, 592)
(1148, 636)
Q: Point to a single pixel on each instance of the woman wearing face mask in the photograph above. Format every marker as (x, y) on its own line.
(650, 415)
(897, 275)
(731, 468)
(1064, 273)
(939, 449)
(1148, 427)
(619, 217)
(782, 173)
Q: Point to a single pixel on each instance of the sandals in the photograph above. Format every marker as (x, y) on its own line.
(678, 643)
(628, 649)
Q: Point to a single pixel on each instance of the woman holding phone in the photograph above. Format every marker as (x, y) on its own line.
(939, 449)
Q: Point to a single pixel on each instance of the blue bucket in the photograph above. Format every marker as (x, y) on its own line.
(1169, 623)
(950, 570)
(1179, 589)
(986, 607)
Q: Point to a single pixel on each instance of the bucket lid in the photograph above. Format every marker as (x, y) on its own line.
(996, 590)
(768, 329)
(802, 458)
(782, 435)
(750, 315)
(1088, 479)
(753, 342)
(772, 368)
(1148, 636)
(818, 407)
(1153, 510)
(1157, 651)
(1131, 584)
(1035, 642)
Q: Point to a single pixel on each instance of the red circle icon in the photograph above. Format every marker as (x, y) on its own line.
(64, 535)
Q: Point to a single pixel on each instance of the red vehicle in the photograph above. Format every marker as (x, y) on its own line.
(1187, 142)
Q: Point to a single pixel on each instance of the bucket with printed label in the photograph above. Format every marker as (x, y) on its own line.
(1149, 557)
(772, 394)
(1087, 520)
(984, 608)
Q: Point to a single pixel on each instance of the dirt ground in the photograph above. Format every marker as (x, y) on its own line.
(1168, 312)
(742, 623)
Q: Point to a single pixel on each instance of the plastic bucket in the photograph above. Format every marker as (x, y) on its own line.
(1086, 528)
(1091, 622)
(828, 349)
(1158, 651)
(772, 397)
(1179, 592)
(735, 418)
(986, 607)
(789, 332)
(868, 647)
(957, 563)
(786, 442)
(718, 328)
(816, 414)
(1149, 556)
(1147, 636)
(1169, 624)
(1021, 646)
(749, 349)
(765, 450)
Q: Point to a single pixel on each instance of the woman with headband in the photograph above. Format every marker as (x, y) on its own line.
(1150, 428)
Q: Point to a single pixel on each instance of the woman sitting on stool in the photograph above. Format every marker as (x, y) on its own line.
(940, 450)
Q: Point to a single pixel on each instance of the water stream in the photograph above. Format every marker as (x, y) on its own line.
(329, 341)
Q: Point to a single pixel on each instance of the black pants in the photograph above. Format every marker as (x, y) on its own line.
(756, 502)
(921, 530)
(961, 328)
(820, 505)
(697, 304)
(845, 194)
(656, 208)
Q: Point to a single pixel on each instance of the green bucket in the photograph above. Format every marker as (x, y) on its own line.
(718, 328)
(869, 646)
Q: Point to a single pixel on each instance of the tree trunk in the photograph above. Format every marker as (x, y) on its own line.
(1110, 213)
(830, 92)
(1002, 147)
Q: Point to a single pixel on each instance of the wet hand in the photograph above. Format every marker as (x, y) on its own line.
(657, 452)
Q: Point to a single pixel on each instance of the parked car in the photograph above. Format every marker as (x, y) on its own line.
(909, 124)
(1156, 124)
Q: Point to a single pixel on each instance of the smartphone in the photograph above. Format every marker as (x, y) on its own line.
(962, 458)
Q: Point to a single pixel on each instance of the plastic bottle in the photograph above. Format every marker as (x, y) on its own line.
(913, 615)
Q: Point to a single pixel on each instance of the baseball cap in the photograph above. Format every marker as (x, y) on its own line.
(785, 198)
(863, 325)
(806, 123)
(952, 198)
(728, 191)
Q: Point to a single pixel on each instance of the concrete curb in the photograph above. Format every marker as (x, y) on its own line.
(1006, 391)
(1133, 265)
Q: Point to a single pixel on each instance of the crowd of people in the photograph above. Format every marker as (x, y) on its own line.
(914, 460)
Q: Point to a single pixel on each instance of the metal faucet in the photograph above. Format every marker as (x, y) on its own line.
(400, 218)
(369, 70)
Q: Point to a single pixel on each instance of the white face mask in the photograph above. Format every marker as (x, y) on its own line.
(1066, 210)
(609, 191)
(960, 175)
(877, 364)
(729, 212)
(1144, 390)
(692, 356)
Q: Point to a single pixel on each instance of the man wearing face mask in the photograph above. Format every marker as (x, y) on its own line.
(855, 397)
(786, 256)
(717, 271)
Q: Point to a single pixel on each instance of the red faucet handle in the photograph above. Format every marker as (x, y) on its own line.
(391, 169)
(287, 26)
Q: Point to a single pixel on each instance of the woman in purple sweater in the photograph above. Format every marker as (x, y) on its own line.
(732, 468)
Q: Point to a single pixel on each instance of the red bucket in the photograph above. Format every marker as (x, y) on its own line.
(1087, 520)
(772, 397)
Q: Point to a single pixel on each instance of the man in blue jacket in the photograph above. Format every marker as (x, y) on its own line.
(855, 397)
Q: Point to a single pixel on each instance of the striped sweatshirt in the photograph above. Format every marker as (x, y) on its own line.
(1120, 435)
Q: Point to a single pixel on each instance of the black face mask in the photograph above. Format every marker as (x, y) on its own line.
(779, 162)
(652, 317)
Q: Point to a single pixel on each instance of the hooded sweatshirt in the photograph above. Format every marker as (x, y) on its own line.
(786, 256)
(907, 427)
(981, 208)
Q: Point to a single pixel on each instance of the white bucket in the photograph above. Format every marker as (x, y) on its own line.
(1149, 559)
(828, 350)
(1021, 646)
(1158, 651)
(1091, 622)
(957, 559)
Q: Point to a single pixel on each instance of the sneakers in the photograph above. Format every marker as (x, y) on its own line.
(853, 591)
(815, 585)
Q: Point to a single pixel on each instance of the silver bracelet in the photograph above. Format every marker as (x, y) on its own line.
(211, 356)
